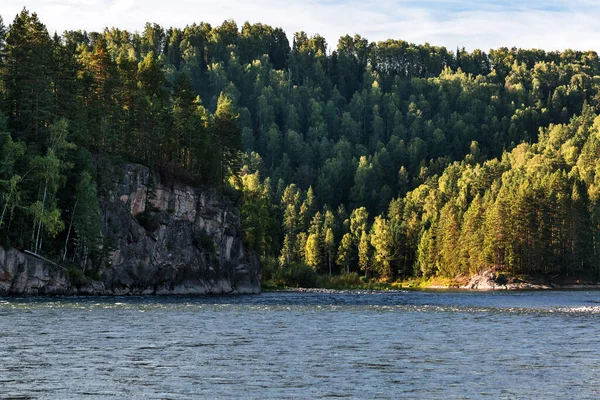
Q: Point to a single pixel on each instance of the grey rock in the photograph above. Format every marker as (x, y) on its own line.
(489, 279)
(24, 274)
(190, 243)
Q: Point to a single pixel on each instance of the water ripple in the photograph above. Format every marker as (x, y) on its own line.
(303, 345)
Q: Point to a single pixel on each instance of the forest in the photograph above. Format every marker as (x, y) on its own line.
(389, 160)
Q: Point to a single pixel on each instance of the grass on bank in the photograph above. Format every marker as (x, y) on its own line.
(298, 275)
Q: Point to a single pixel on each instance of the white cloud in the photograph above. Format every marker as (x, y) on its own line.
(547, 24)
(122, 5)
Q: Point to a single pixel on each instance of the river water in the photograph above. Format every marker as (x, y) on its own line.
(431, 345)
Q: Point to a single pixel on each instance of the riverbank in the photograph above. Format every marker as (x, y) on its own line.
(341, 282)
(488, 280)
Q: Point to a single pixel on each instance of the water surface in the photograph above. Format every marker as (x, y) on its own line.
(303, 345)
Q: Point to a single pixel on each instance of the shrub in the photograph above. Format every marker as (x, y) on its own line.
(270, 269)
(299, 275)
(204, 241)
(149, 220)
(343, 281)
(76, 275)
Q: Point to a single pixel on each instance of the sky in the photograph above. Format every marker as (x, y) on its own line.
(483, 24)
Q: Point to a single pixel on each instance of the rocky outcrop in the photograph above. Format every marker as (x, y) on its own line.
(23, 274)
(165, 238)
(492, 280)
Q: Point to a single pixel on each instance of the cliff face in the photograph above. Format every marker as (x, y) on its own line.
(164, 238)
(24, 274)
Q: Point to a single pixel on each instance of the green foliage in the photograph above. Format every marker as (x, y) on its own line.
(27, 63)
(345, 253)
(227, 137)
(313, 251)
(364, 253)
(299, 275)
(258, 216)
(204, 241)
(292, 275)
(149, 220)
(381, 240)
(343, 281)
(469, 160)
(79, 276)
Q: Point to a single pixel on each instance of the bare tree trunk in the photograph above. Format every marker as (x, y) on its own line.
(37, 240)
(85, 257)
(33, 230)
(4, 210)
(69, 231)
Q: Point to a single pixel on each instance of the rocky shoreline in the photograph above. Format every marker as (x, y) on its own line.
(488, 280)
(188, 242)
(491, 280)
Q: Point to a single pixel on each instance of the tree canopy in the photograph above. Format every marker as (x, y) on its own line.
(391, 159)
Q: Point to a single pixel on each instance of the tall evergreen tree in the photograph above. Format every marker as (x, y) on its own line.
(28, 81)
(227, 135)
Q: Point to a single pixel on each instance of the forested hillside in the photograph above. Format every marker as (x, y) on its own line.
(389, 159)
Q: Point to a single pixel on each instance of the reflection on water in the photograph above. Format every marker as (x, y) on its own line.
(303, 345)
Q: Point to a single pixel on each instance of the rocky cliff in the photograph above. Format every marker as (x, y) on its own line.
(165, 238)
(490, 279)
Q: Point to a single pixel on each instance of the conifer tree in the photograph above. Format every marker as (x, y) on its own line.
(28, 61)
(227, 134)
(381, 240)
(329, 243)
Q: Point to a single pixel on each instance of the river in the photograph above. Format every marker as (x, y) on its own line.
(408, 344)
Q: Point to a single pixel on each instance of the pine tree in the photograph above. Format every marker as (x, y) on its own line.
(471, 238)
(287, 254)
(381, 240)
(86, 222)
(426, 255)
(496, 246)
(307, 209)
(329, 247)
(2, 61)
(448, 236)
(290, 223)
(227, 134)
(28, 60)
